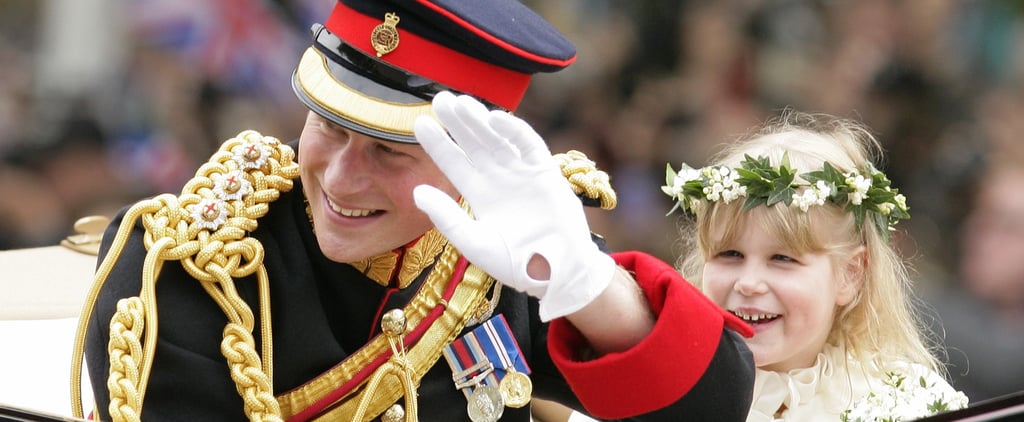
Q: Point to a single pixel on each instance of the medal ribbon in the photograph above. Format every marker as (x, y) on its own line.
(491, 342)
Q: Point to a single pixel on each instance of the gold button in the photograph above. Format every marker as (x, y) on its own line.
(393, 323)
(395, 413)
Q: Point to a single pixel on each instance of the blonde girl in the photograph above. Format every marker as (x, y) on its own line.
(790, 231)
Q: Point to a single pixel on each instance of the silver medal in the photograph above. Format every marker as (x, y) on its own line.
(485, 404)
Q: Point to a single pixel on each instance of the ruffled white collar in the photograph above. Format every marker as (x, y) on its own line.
(822, 390)
(827, 388)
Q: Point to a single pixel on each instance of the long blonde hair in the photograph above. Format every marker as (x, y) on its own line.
(879, 325)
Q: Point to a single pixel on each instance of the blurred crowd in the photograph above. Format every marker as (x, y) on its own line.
(103, 102)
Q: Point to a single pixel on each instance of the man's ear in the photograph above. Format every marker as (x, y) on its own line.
(852, 276)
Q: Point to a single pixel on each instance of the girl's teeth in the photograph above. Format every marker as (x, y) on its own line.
(755, 317)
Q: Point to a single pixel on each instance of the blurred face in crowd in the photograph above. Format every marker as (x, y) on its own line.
(788, 296)
(359, 189)
(993, 249)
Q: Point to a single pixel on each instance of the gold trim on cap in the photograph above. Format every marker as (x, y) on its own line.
(315, 79)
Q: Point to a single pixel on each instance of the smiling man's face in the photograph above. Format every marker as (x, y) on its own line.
(359, 189)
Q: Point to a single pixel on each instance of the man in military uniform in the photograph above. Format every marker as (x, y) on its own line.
(422, 257)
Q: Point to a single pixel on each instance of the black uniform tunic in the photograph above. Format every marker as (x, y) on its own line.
(321, 312)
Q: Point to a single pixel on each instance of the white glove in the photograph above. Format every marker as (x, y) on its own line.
(523, 206)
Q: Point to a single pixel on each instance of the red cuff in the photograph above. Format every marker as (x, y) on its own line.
(665, 365)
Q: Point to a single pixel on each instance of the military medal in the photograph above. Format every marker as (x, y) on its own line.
(516, 389)
(485, 404)
(488, 367)
(484, 401)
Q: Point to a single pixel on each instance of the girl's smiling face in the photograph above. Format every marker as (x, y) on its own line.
(789, 297)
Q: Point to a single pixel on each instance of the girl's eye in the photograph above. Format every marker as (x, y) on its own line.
(730, 254)
(783, 258)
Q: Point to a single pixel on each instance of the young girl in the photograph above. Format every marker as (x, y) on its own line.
(791, 233)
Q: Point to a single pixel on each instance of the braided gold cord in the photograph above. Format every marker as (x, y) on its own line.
(252, 383)
(586, 179)
(398, 368)
(125, 349)
(206, 229)
(78, 351)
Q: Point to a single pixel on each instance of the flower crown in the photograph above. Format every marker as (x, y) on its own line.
(867, 193)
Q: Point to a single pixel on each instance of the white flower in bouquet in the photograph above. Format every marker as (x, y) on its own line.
(904, 401)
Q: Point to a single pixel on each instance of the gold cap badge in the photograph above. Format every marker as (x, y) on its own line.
(385, 36)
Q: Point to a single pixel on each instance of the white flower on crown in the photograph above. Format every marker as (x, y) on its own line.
(724, 184)
(901, 201)
(860, 184)
(684, 176)
(886, 208)
(694, 188)
(815, 194)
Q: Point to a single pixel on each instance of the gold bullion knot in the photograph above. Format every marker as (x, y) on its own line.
(585, 178)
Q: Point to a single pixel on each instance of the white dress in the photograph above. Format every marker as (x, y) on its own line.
(823, 391)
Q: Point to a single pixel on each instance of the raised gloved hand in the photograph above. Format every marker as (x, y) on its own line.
(523, 206)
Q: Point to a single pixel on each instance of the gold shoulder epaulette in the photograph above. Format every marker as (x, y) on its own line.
(586, 180)
(206, 228)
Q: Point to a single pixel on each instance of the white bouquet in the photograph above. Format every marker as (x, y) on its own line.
(904, 401)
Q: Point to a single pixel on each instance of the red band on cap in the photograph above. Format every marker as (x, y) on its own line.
(433, 61)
